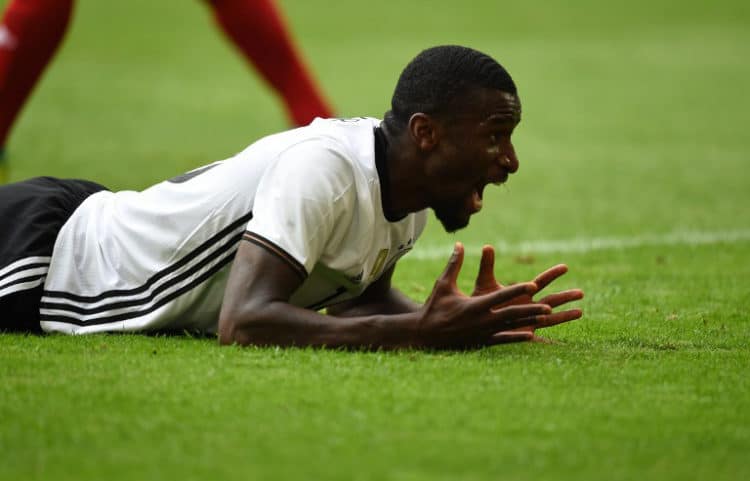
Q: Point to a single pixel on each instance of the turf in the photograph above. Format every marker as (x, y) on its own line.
(634, 126)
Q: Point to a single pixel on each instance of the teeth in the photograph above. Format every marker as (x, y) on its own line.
(476, 201)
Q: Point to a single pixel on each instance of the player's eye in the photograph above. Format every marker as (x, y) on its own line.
(495, 147)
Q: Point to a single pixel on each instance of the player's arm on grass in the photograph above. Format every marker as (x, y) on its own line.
(256, 310)
(486, 283)
(381, 297)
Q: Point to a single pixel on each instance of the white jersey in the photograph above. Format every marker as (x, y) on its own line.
(159, 259)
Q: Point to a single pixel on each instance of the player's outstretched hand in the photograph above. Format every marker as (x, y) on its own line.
(486, 284)
(450, 319)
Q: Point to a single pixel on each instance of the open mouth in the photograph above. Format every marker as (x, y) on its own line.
(477, 195)
(475, 204)
(501, 179)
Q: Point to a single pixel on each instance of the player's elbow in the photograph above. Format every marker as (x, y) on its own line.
(244, 324)
(227, 329)
(233, 324)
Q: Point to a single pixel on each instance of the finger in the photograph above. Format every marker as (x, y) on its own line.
(560, 317)
(546, 277)
(509, 337)
(500, 296)
(486, 277)
(523, 324)
(519, 315)
(541, 320)
(560, 298)
(454, 264)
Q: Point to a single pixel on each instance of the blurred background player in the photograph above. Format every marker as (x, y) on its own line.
(32, 30)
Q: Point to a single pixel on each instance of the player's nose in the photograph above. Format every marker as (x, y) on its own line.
(511, 159)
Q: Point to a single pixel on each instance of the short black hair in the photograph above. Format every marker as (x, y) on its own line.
(436, 79)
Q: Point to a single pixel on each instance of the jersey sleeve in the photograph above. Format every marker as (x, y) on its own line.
(299, 200)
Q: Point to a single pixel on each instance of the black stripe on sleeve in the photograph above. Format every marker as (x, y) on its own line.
(229, 245)
(159, 275)
(274, 249)
(130, 315)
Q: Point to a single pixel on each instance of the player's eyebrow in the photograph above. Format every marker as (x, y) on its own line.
(511, 117)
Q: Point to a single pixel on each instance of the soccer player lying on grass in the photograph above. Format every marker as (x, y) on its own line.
(253, 246)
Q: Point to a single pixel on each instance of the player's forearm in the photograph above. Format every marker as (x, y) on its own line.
(393, 302)
(281, 324)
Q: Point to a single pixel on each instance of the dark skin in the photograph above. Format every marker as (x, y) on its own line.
(436, 162)
(487, 283)
(479, 136)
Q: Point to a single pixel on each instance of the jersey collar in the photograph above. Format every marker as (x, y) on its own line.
(381, 164)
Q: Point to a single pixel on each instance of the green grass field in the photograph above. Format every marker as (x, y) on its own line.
(634, 152)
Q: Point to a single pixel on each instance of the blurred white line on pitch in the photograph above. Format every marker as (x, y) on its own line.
(588, 244)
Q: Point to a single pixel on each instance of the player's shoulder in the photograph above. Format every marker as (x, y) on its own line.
(347, 137)
(351, 138)
(349, 134)
(347, 127)
(338, 144)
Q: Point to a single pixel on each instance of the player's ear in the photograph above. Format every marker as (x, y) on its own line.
(423, 129)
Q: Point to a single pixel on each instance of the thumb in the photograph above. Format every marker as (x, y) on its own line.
(454, 264)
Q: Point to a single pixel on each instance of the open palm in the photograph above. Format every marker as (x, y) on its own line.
(487, 283)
